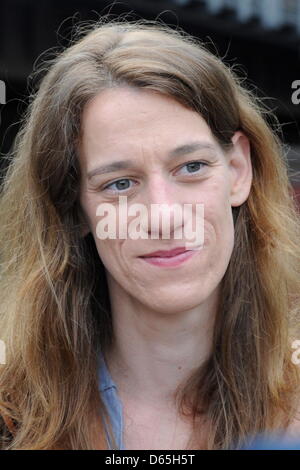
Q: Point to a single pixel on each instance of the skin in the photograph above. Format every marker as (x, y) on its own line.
(163, 317)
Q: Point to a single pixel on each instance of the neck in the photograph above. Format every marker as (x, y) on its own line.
(152, 352)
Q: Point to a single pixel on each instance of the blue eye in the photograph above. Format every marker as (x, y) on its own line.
(120, 185)
(193, 167)
(124, 184)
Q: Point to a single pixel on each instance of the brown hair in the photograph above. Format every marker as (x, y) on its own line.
(52, 321)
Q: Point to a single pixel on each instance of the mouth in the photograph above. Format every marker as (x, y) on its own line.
(168, 258)
(166, 253)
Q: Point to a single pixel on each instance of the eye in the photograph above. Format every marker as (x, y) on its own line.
(119, 185)
(192, 167)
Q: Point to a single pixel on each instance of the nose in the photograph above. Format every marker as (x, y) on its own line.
(164, 211)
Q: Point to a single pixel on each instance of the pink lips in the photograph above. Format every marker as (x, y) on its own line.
(168, 258)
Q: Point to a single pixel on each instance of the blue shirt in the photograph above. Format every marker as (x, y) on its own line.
(273, 441)
(113, 404)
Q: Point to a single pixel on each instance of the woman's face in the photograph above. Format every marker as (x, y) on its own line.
(127, 142)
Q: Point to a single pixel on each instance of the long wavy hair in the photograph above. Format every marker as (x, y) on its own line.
(55, 315)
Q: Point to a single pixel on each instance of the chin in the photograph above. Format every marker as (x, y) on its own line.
(175, 302)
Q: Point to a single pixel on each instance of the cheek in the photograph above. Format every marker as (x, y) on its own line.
(114, 256)
(88, 208)
(218, 221)
(107, 250)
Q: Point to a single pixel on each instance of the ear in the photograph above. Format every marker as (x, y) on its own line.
(84, 226)
(240, 169)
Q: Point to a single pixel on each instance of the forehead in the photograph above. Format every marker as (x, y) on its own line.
(134, 125)
(128, 118)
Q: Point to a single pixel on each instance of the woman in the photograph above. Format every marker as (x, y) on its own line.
(124, 342)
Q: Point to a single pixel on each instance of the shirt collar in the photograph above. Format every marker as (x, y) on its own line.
(105, 380)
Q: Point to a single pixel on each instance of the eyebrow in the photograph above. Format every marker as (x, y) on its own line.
(176, 152)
